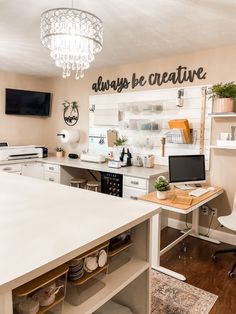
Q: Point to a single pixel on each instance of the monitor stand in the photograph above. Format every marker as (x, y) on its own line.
(184, 187)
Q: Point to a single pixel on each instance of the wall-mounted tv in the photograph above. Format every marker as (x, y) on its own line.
(24, 102)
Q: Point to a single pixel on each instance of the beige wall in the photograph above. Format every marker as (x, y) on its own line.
(219, 63)
(21, 130)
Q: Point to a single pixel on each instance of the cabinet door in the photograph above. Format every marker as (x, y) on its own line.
(133, 193)
(134, 182)
(11, 168)
(34, 170)
(52, 177)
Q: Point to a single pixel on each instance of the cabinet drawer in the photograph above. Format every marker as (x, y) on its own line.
(133, 193)
(52, 168)
(11, 168)
(135, 182)
(52, 177)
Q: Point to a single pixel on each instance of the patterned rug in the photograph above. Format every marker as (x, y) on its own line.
(172, 296)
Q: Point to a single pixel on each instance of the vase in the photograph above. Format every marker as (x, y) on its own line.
(162, 195)
(117, 152)
(59, 154)
(224, 105)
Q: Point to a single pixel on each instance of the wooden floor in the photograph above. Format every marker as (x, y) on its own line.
(192, 258)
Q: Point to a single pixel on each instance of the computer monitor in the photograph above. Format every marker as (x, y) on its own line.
(187, 169)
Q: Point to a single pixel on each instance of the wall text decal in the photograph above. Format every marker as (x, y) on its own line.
(181, 75)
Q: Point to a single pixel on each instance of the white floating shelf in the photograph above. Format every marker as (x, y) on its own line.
(222, 147)
(222, 115)
(114, 283)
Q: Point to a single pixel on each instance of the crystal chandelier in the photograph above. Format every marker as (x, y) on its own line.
(73, 36)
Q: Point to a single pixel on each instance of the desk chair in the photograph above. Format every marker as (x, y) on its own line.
(230, 223)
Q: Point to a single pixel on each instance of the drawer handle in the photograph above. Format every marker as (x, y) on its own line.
(51, 168)
(134, 198)
(51, 179)
(135, 182)
(7, 169)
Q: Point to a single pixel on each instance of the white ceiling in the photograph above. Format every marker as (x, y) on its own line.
(134, 30)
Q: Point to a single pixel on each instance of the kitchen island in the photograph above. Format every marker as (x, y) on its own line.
(44, 225)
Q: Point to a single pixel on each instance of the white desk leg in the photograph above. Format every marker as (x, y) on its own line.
(195, 228)
(6, 306)
(156, 240)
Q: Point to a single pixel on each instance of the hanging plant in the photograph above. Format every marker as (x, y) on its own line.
(70, 112)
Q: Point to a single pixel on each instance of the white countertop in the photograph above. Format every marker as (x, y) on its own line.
(44, 224)
(139, 172)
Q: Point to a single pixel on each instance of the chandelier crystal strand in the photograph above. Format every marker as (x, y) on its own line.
(73, 36)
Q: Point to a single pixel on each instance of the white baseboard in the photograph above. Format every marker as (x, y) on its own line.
(215, 234)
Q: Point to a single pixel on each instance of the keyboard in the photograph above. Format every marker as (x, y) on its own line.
(198, 192)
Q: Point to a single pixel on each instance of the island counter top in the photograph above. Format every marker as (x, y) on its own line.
(44, 224)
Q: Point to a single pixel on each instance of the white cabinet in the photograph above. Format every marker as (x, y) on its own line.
(15, 168)
(52, 177)
(133, 193)
(134, 187)
(136, 182)
(52, 168)
(52, 173)
(33, 169)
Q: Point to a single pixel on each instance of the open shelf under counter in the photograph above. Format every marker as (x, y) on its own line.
(59, 298)
(114, 283)
(120, 249)
(88, 276)
(41, 281)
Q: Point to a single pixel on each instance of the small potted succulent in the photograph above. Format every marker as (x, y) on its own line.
(224, 97)
(162, 186)
(59, 152)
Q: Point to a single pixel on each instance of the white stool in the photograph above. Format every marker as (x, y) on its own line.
(93, 185)
(77, 182)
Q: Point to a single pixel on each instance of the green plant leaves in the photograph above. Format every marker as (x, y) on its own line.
(221, 90)
(161, 184)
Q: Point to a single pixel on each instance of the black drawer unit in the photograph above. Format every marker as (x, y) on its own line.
(111, 183)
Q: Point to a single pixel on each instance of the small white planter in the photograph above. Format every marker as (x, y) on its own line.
(162, 195)
(59, 154)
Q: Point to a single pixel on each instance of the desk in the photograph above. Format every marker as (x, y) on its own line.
(181, 209)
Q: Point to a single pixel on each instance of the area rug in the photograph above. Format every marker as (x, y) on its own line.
(172, 296)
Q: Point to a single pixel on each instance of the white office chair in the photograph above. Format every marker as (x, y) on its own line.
(230, 223)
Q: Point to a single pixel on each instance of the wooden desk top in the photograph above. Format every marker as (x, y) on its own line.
(171, 205)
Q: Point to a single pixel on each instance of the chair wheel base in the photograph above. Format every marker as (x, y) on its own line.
(231, 274)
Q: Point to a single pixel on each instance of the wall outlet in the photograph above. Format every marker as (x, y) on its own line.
(214, 211)
(204, 210)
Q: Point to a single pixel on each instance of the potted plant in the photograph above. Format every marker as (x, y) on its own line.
(162, 186)
(59, 152)
(224, 97)
(120, 141)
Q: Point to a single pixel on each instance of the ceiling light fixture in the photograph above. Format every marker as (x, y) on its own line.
(73, 36)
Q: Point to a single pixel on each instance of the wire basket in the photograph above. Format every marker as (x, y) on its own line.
(176, 136)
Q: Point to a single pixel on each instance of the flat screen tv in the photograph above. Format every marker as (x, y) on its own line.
(24, 102)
